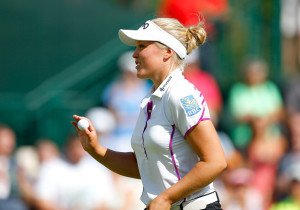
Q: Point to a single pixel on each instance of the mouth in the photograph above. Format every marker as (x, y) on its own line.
(137, 67)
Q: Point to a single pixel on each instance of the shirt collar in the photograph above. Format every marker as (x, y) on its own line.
(166, 83)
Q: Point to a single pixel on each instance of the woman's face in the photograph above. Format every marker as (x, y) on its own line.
(149, 59)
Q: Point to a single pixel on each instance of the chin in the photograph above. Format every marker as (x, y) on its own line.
(140, 75)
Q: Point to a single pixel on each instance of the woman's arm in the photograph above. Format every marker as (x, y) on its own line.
(205, 142)
(123, 163)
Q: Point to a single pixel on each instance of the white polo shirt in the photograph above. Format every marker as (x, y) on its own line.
(163, 155)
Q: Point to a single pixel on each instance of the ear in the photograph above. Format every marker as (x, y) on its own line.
(168, 53)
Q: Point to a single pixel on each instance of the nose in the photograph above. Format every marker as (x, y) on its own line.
(135, 53)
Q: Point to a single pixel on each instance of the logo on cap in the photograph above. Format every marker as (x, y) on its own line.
(145, 25)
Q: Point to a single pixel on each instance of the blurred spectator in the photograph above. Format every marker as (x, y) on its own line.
(265, 150)
(292, 95)
(294, 135)
(290, 30)
(69, 183)
(290, 163)
(28, 164)
(257, 106)
(46, 190)
(127, 190)
(47, 152)
(41, 193)
(254, 100)
(88, 186)
(238, 193)
(292, 200)
(27, 160)
(205, 83)
(123, 97)
(10, 198)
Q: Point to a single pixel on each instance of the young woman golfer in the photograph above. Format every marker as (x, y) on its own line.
(176, 151)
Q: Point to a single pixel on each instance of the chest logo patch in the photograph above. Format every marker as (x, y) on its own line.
(190, 105)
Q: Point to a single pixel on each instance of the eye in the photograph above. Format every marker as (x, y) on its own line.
(141, 46)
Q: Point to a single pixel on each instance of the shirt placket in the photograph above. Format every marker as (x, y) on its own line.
(149, 111)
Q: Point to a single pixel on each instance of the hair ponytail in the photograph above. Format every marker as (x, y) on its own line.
(191, 37)
(195, 36)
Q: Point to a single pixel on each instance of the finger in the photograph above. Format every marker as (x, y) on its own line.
(91, 127)
(77, 118)
(75, 125)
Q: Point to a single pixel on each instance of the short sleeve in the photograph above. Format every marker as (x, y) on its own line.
(188, 108)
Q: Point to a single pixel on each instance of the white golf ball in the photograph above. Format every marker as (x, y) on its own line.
(83, 124)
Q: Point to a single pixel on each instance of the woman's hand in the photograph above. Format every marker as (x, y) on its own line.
(159, 203)
(88, 136)
(113, 160)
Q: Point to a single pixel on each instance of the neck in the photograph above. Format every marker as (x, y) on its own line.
(161, 77)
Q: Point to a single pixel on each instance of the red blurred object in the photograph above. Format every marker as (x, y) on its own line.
(189, 12)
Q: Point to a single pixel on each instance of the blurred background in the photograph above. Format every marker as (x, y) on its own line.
(59, 58)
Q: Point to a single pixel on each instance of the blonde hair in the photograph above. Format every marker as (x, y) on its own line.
(191, 37)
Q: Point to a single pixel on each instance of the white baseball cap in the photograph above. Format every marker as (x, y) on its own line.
(149, 31)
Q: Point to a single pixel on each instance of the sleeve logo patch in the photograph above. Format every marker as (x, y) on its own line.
(190, 105)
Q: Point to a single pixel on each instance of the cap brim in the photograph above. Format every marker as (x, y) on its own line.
(129, 37)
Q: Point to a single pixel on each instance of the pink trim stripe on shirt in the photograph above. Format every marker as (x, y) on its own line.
(172, 153)
(200, 120)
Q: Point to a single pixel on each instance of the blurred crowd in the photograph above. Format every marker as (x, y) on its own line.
(258, 123)
(262, 147)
